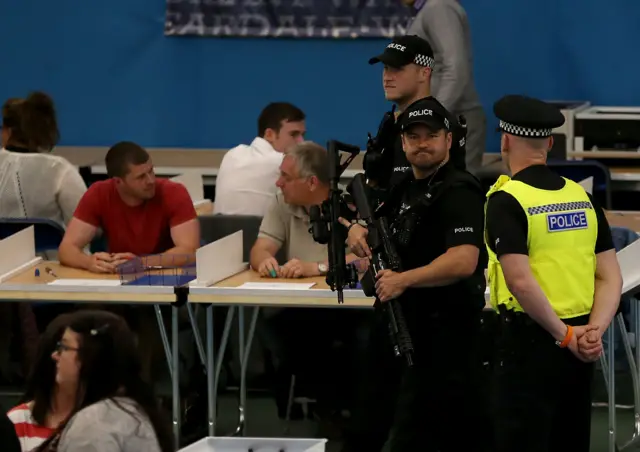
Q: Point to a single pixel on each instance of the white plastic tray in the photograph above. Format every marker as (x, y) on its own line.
(213, 444)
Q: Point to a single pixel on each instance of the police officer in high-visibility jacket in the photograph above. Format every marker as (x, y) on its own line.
(555, 281)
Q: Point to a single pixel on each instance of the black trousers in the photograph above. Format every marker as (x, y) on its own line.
(378, 376)
(439, 406)
(542, 393)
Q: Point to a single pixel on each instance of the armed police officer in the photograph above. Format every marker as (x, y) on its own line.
(555, 280)
(408, 64)
(437, 217)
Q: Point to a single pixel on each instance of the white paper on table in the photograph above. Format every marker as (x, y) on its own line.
(85, 282)
(276, 286)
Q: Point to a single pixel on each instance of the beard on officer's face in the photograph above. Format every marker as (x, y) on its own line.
(427, 158)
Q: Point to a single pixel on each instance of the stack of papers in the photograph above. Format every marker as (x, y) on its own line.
(276, 286)
(85, 282)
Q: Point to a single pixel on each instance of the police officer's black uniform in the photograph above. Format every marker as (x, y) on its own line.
(386, 164)
(428, 217)
(386, 151)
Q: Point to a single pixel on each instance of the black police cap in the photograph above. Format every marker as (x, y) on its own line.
(426, 111)
(406, 50)
(527, 117)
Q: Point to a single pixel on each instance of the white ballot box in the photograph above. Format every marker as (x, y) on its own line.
(214, 444)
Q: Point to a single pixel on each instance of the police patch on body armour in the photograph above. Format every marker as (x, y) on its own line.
(567, 221)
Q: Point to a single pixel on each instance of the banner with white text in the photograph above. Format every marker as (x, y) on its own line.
(333, 19)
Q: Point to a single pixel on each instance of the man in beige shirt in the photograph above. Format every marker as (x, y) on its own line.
(303, 183)
(301, 340)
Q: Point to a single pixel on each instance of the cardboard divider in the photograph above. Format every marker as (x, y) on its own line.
(219, 260)
(18, 253)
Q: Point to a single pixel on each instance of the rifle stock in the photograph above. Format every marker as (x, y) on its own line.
(384, 256)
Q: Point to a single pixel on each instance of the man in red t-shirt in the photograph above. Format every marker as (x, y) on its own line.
(139, 215)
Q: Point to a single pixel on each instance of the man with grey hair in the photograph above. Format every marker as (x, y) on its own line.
(301, 339)
(303, 183)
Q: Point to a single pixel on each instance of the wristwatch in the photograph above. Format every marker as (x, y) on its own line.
(323, 268)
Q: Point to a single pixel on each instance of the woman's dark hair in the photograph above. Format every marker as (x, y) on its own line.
(42, 378)
(32, 122)
(110, 366)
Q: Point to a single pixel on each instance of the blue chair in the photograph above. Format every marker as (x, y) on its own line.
(48, 234)
(579, 170)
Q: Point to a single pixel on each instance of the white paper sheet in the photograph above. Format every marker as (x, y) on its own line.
(276, 286)
(85, 282)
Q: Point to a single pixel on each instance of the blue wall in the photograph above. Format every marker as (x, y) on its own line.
(115, 76)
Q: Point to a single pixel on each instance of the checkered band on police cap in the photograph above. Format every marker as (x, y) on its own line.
(524, 131)
(424, 60)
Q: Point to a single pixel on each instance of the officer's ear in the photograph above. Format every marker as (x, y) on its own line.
(425, 73)
(504, 143)
(449, 139)
(404, 142)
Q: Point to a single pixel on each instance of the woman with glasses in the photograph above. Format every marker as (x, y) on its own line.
(115, 409)
(46, 403)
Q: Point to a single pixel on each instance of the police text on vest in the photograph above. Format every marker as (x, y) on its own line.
(567, 221)
(467, 229)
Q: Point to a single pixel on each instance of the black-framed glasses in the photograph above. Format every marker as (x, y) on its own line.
(62, 347)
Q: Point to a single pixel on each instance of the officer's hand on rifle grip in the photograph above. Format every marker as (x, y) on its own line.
(357, 238)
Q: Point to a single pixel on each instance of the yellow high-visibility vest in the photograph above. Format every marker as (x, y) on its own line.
(562, 232)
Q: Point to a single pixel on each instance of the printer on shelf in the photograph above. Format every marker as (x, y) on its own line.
(608, 129)
(563, 136)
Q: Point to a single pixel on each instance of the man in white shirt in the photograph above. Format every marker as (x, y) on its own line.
(246, 181)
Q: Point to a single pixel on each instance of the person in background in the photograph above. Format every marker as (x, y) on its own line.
(139, 215)
(8, 437)
(33, 184)
(115, 410)
(299, 338)
(406, 78)
(246, 179)
(445, 25)
(47, 403)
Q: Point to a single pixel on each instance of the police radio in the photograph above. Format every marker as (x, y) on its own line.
(378, 160)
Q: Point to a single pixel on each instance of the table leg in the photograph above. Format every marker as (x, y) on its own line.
(176, 375)
(213, 378)
(634, 376)
(165, 339)
(242, 403)
(196, 336)
(612, 388)
(210, 365)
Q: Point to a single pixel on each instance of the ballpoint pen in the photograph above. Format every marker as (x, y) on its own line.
(51, 272)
